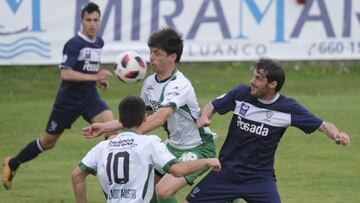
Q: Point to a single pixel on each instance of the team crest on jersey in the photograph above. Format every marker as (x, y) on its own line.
(87, 54)
(268, 115)
(243, 109)
(150, 87)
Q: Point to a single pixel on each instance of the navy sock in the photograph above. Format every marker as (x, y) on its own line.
(32, 150)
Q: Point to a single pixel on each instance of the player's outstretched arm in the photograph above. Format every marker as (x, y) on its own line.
(71, 75)
(332, 132)
(187, 167)
(97, 129)
(79, 185)
(206, 115)
(156, 119)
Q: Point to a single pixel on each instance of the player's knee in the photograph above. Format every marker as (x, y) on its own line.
(48, 141)
(163, 192)
(48, 144)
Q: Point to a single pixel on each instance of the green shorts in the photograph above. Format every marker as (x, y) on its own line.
(206, 150)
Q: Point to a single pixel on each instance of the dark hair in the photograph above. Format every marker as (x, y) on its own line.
(132, 111)
(90, 7)
(168, 40)
(274, 71)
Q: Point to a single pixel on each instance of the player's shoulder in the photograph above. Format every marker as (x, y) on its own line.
(242, 87)
(178, 75)
(240, 91)
(288, 102)
(74, 43)
(152, 138)
(100, 146)
(150, 78)
(179, 79)
(100, 41)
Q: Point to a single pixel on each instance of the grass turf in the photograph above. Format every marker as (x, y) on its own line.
(309, 168)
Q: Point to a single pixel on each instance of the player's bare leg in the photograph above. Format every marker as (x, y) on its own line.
(167, 187)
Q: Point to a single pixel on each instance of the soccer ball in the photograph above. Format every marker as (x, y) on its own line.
(130, 67)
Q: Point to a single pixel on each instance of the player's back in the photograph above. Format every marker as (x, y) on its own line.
(126, 166)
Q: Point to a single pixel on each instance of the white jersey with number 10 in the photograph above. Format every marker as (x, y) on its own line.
(125, 166)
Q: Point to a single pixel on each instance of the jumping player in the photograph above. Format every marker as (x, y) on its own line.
(261, 116)
(77, 95)
(135, 156)
(170, 96)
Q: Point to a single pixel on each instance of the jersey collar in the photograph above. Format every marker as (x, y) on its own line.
(171, 77)
(128, 131)
(269, 101)
(86, 38)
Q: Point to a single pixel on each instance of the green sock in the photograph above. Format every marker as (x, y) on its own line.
(154, 198)
(171, 199)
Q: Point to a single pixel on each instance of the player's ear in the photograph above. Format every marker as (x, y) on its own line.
(273, 84)
(173, 56)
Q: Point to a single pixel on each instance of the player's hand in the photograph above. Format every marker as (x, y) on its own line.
(203, 121)
(342, 138)
(103, 74)
(94, 130)
(103, 84)
(214, 163)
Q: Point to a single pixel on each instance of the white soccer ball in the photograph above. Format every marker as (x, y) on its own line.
(130, 67)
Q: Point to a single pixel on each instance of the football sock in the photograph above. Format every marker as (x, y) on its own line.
(154, 198)
(171, 199)
(32, 150)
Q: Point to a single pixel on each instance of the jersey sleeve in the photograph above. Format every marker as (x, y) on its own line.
(226, 102)
(71, 53)
(303, 119)
(161, 156)
(90, 161)
(144, 96)
(176, 94)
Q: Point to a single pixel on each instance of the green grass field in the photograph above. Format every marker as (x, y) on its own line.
(309, 168)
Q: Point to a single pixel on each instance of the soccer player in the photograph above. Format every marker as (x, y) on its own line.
(170, 96)
(261, 116)
(77, 95)
(125, 163)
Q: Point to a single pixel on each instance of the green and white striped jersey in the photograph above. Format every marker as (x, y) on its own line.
(178, 93)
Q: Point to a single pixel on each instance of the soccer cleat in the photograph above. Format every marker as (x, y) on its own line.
(7, 174)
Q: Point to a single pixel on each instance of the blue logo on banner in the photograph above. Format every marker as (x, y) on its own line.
(24, 44)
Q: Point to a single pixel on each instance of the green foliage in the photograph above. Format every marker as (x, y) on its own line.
(309, 168)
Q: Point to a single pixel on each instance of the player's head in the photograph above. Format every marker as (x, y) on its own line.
(169, 40)
(90, 20)
(268, 78)
(90, 8)
(132, 111)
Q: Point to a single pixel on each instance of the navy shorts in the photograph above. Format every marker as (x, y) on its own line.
(64, 115)
(220, 187)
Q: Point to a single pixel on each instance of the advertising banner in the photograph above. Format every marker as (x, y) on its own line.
(34, 31)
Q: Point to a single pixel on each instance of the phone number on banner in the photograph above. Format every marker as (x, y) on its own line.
(334, 48)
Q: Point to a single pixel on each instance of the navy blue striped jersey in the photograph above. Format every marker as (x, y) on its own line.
(83, 55)
(256, 129)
